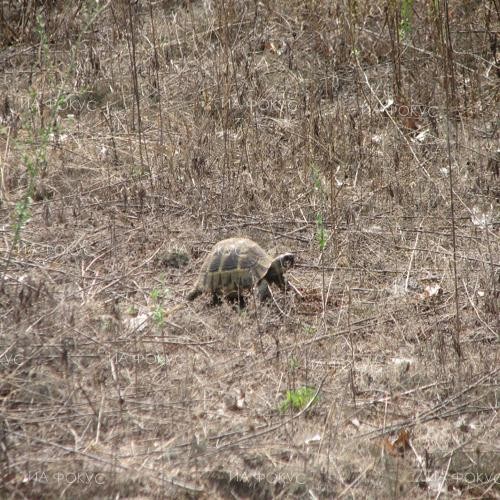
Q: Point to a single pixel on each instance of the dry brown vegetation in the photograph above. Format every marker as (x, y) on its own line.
(133, 136)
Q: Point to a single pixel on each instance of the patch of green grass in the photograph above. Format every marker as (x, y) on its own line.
(22, 215)
(156, 294)
(406, 18)
(159, 315)
(35, 160)
(160, 293)
(316, 178)
(298, 399)
(321, 232)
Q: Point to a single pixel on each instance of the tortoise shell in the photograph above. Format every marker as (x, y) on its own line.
(237, 264)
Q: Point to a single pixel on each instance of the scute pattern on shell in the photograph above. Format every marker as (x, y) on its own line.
(235, 263)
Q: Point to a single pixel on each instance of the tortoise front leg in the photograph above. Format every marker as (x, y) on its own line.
(263, 291)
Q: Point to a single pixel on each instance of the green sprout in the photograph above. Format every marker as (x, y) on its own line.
(299, 398)
(321, 232)
(159, 315)
(406, 18)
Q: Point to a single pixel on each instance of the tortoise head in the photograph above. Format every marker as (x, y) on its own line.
(286, 260)
(278, 267)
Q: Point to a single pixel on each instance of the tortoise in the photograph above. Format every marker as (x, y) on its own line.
(239, 264)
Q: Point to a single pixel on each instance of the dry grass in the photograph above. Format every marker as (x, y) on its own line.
(129, 133)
